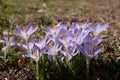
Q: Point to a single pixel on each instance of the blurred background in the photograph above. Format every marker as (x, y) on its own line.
(29, 11)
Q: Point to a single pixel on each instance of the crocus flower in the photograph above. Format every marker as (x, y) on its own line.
(69, 46)
(25, 32)
(71, 52)
(56, 31)
(9, 42)
(42, 43)
(80, 36)
(89, 46)
(65, 40)
(97, 29)
(27, 47)
(53, 48)
(52, 58)
(84, 26)
(89, 50)
(35, 54)
(89, 38)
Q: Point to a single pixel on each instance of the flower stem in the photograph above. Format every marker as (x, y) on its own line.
(59, 66)
(87, 65)
(67, 56)
(5, 54)
(37, 70)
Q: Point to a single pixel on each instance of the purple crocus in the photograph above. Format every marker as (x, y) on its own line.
(84, 26)
(25, 32)
(42, 43)
(65, 40)
(53, 48)
(35, 54)
(29, 46)
(56, 31)
(9, 42)
(97, 29)
(89, 49)
(92, 40)
(80, 36)
(69, 46)
(71, 52)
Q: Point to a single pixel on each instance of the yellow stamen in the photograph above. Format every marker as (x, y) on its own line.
(63, 36)
(36, 53)
(76, 34)
(80, 23)
(11, 38)
(73, 42)
(54, 27)
(50, 46)
(24, 30)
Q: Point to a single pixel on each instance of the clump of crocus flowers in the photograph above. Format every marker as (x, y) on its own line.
(65, 40)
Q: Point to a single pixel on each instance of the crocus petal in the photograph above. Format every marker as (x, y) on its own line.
(12, 44)
(85, 26)
(104, 27)
(89, 56)
(6, 38)
(18, 31)
(75, 25)
(30, 45)
(69, 57)
(43, 51)
(52, 53)
(35, 54)
(24, 46)
(62, 31)
(99, 41)
(63, 42)
(52, 58)
(81, 37)
(82, 49)
(38, 45)
(29, 55)
(90, 28)
(97, 50)
(41, 43)
(59, 47)
(31, 30)
(53, 48)
(63, 52)
(62, 59)
(90, 39)
(97, 29)
(1, 41)
(49, 31)
(59, 24)
(85, 52)
(25, 34)
(72, 50)
(89, 47)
